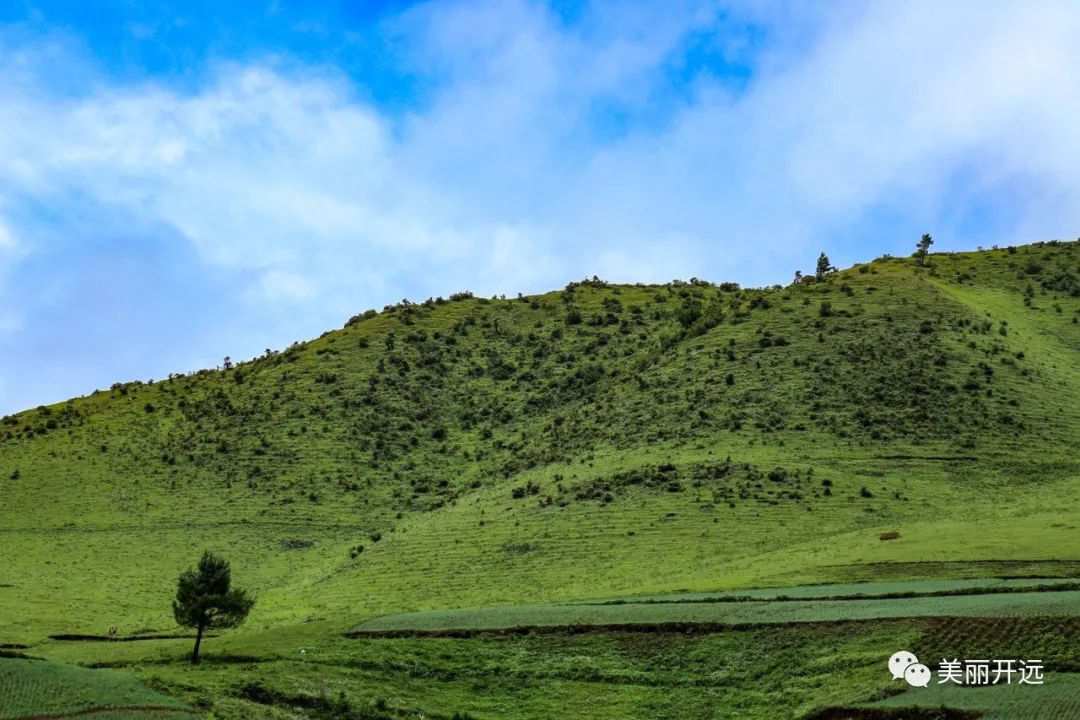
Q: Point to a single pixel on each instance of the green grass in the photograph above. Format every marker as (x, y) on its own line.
(497, 453)
(1058, 698)
(845, 590)
(782, 671)
(772, 671)
(1040, 604)
(35, 687)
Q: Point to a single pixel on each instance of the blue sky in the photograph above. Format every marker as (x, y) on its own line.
(185, 181)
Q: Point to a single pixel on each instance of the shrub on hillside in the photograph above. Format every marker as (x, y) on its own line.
(529, 488)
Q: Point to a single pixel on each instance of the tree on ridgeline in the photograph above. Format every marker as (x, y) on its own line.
(922, 249)
(205, 600)
(824, 267)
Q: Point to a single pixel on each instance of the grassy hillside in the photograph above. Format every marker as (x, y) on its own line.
(888, 422)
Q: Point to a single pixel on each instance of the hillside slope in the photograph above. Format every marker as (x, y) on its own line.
(601, 440)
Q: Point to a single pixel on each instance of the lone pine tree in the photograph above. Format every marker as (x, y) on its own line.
(824, 266)
(205, 601)
(922, 249)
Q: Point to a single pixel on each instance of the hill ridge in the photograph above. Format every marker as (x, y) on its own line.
(477, 437)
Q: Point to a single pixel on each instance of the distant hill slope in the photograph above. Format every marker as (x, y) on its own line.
(598, 440)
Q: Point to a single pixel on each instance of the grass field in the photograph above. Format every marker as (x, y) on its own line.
(35, 688)
(514, 462)
(609, 675)
(1019, 604)
(765, 671)
(864, 589)
(1059, 699)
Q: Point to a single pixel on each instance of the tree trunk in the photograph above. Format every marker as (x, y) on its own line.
(198, 640)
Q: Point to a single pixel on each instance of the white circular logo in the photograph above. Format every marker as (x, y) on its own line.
(899, 662)
(917, 675)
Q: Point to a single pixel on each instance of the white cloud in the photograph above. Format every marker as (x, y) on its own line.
(277, 284)
(504, 178)
(11, 251)
(7, 237)
(10, 322)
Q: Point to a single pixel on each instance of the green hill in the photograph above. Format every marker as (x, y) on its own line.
(889, 422)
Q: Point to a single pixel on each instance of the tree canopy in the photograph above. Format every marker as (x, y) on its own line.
(205, 599)
(824, 266)
(922, 249)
